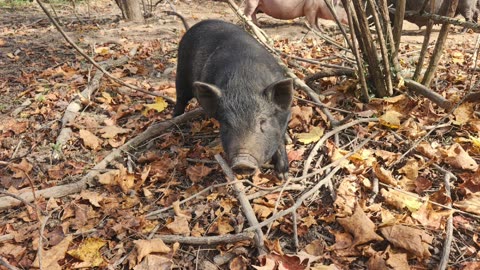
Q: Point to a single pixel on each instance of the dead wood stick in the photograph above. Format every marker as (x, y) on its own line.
(327, 72)
(426, 41)
(383, 49)
(327, 135)
(449, 230)
(207, 240)
(312, 191)
(242, 198)
(428, 93)
(398, 25)
(438, 51)
(89, 59)
(356, 51)
(60, 191)
(4, 263)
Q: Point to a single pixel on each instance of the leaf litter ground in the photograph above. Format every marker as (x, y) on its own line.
(388, 211)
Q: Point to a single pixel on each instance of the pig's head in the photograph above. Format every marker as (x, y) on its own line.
(252, 125)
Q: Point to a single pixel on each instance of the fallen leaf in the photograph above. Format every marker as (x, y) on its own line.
(198, 172)
(360, 226)
(159, 105)
(90, 140)
(400, 200)
(22, 169)
(112, 131)
(89, 252)
(470, 204)
(413, 240)
(179, 226)
(145, 247)
(310, 137)
(463, 113)
(383, 175)
(51, 257)
(459, 158)
(154, 262)
(390, 119)
(93, 197)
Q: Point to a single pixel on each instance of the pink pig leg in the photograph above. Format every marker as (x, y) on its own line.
(251, 9)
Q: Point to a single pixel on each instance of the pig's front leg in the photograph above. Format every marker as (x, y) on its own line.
(280, 159)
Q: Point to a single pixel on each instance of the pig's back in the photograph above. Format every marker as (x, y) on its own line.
(218, 51)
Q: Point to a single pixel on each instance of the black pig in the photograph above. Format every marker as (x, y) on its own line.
(467, 8)
(238, 82)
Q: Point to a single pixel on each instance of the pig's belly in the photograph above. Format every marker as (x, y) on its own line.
(283, 11)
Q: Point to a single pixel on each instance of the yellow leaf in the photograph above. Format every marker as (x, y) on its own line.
(159, 105)
(89, 252)
(390, 119)
(314, 135)
(475, 141)
(102, 50)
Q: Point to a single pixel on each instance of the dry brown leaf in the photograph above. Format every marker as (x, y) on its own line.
(154, 262)
(179, 226)
(390, 119)
(459, 158)
(346, 196)
(413, 240)
(21, 170)
(51, 257)
(221, 226)
(109, 177)
(93, 197)
(410, 170)
(262, 211)
(400, 200)
(198, 172)
(301, 116)
(427, 150)
(470, 204)
(112, 131)
(145, 247)
(238, 263)
(429, 217)
(383, 175)
(397, 261)
(89, 139)
(360, 226)
(464, 113)
(316, 248)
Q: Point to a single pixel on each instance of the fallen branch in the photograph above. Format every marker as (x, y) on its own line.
(5, 264)
(207, 240)
(242, 198)
(447, 243)
(329, 73)
(64, 190)
(428, 93)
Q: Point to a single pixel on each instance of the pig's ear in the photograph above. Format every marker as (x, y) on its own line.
(281, 93)
(208, 96)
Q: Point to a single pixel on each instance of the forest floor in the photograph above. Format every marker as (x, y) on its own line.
(400, 182)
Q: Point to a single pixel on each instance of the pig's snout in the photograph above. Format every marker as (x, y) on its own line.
(244, 164)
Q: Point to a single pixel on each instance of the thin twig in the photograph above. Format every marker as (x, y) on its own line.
(242, 198)
(5, 264)
(447, 243)
(207, 240)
